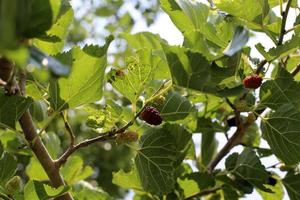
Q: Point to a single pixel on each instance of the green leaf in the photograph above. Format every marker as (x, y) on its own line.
(182, 21)
(143, 40)
(239, 40)
(33, 91)
(38, 110)
(8, 166)
(159, 154)
(209, 146)
(193, 183)
(127, 180)
(106, 118)
(292, 185)
(12, 108)
(277, 194)
(147, 40)
(35, 190)
(59, 29)
(200, 27)
(280, 51)
(34, 19)
(248, 167)
(35, 171)
(84, 85)
(191, 70)
(52, 143)
(74, 170)
(281, 130)
(85, 191)
(209, 143)
(282, 90)
(251, 137)
(246, 9)
(137, 75)
(175, 107)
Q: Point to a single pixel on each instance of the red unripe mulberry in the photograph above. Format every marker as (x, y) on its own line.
(252, 82)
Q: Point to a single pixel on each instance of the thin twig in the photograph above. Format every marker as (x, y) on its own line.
(260, 66)
(230, 104)
(22, 81)
(284, 18)
(69, 129)
(205, 192)
(103, 137)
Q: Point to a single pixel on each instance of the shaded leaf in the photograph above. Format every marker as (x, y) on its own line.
(12, 108)
(292, 185)
(159, 154)
(175, 107)
(282, 90)
(8, 166)
(191, 70)
(248, 167)
(281, 130)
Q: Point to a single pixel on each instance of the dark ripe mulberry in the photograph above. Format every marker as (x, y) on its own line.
(151, 116)
(254, 81)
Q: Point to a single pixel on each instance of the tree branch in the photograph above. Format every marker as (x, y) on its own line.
(205, 192)
(103, 137)
(232, 142)
(31, 137)
(260, 66)
(284, 18)
(69, 129)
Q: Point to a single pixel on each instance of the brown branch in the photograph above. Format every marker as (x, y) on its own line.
(260, 66)
(33, 140)
(232, 142)
(205, 192)
(230, 104)
(22, 81)
(103, 137)
(69, 130)
(284, 18)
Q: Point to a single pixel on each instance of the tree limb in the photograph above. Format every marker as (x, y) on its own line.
(284, 18)
(69, 129)
(31, 137)
(260, 66)
(232, 142)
